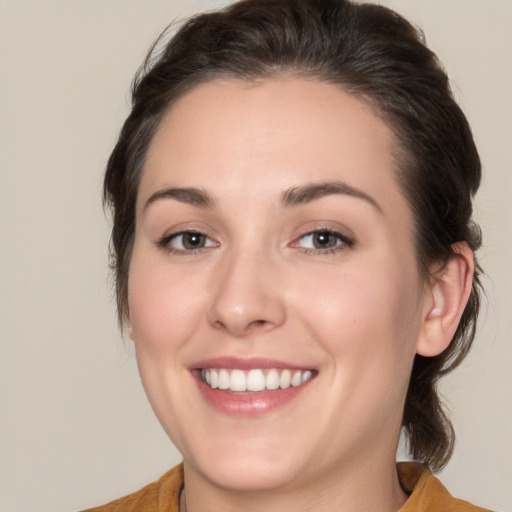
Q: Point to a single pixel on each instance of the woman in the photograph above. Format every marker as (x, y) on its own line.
(294, 257)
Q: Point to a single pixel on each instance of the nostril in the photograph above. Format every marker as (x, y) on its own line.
(219, 325)
(256, 324)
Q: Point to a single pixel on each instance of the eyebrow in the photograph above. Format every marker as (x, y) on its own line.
(304, 194)
(294, 196)
(188, 195)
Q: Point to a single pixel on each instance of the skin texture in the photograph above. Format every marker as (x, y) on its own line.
(357, 314)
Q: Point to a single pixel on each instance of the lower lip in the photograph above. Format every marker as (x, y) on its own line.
(249, 404)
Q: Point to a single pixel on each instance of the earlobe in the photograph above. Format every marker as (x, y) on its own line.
(447, 296)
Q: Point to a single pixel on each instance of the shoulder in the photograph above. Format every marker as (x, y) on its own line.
(160, 495)
(427, 493)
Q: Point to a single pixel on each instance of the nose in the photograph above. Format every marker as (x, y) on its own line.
(248, 298)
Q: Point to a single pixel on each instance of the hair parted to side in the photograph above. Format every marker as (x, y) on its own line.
(373, 53)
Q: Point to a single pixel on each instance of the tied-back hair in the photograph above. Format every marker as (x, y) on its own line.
(368, 51)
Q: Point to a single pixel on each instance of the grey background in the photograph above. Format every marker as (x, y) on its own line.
(75, 427)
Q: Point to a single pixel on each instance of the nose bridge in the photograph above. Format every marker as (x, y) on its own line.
(247, 297)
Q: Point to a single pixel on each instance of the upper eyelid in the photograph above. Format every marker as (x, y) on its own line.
(180, 230)
(185, 231)
(342, 233)
(324, 230)
(341, 236)
(174, 234)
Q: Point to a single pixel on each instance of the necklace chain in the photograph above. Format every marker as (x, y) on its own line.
(183, 501)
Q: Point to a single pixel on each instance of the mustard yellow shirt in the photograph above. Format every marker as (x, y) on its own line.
(427, 494)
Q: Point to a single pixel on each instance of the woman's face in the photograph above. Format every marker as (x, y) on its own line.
(274, 257)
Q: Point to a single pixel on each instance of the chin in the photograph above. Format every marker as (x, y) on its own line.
(247, 466)
(253, 475)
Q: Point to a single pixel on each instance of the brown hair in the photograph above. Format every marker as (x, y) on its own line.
(369, 51)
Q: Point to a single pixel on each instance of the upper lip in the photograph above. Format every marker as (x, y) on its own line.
(247, 363)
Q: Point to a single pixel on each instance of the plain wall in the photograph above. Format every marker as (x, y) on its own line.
(75, 426)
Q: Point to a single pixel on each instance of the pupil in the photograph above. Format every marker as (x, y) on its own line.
(324, 239)
(193, 240)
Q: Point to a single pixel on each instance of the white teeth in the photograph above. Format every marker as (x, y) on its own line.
(238, 381)
(286, 379)
(296, 378)
(223, 379)
(272, 381)
(306, 376)
(214, 379)
(254, 380)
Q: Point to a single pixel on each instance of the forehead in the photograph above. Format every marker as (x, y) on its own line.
(257, 138)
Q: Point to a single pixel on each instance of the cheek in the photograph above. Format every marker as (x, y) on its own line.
(165, 311)
(371, 316)
(164, 308)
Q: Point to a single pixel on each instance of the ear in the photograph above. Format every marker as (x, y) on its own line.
(446, 297)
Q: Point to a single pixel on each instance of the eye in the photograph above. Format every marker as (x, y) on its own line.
(323, 240)
(186, 241)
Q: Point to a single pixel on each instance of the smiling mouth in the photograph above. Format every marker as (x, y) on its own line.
(254, 380)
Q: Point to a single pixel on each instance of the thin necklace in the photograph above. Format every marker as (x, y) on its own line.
(183, 501)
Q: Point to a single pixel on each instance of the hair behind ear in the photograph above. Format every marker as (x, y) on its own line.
(449, 313)
(430, 433)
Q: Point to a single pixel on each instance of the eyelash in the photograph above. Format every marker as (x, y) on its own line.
(343, 242)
